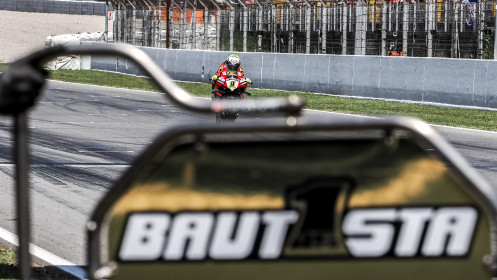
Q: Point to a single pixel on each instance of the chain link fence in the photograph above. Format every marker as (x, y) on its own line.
(433, 28)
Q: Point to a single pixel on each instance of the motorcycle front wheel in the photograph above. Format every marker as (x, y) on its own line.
(226, 117)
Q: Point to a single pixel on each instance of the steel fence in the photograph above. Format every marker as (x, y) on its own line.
(435, 28)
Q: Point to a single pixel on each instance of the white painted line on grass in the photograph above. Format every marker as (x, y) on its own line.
(45, 256)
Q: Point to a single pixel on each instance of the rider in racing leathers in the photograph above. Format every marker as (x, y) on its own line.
(230, 66)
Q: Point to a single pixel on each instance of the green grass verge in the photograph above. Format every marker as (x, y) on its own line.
(469, 118)
(8, 268)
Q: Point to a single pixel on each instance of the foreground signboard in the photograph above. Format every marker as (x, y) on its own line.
(317, 201)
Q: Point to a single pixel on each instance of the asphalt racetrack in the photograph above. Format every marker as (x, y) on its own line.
(84, 137)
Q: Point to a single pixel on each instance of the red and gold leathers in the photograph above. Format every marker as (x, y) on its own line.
(223, 72)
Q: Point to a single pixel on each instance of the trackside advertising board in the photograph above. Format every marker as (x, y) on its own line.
(328, 206)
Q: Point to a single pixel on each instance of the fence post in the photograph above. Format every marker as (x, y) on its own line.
(193, 44)
(307, 27)
(218, 29)
(429, 26)
(291, 18)
(384, 29)
(182, 28)
(159, 24)
(169, 24)
(119, 25)
(405, 26)
(344, 28)
(455, 45)
(231, 20)
(324, 25)
(206, 28)
(133, 27)
(106, 21)
(245, 28)
(495, 33)
(155, 24)
(479, 22)
(360, 30)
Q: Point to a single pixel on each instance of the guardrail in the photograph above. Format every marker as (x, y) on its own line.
(439, 80)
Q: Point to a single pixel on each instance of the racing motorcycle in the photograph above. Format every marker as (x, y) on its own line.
(232, 88)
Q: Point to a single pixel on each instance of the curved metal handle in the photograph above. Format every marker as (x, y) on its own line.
(291, 105)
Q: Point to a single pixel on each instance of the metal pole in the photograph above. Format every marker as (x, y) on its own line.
(193, 43)
(274, 28)
(106, 21)
(22, 193)
(479, 18)
(218, 29)
(390, 16)
(455, 45)
(495, 36)
(168, 23)
(159, 25)
(291, 26)
(430, 28)
(307, 27)
(206, 26)
(360, 29)
(384, 29)
(344, 28)
(259, 25)
(245, 28)
(232, 27)
(270, 19)
(405, 27)
(118, 25)
(182, 35)
(324, 25)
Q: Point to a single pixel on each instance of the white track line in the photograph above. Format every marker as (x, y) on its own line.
(375, 117)
(46, 256)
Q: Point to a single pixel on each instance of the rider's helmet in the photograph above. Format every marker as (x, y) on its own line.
(233, 62)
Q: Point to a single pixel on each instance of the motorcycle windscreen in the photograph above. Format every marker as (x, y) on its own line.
(358, 208)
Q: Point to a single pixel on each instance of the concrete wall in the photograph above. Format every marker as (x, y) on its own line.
(441, 80)
(55, 6)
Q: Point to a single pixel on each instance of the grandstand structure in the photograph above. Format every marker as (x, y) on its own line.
(431, 28)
